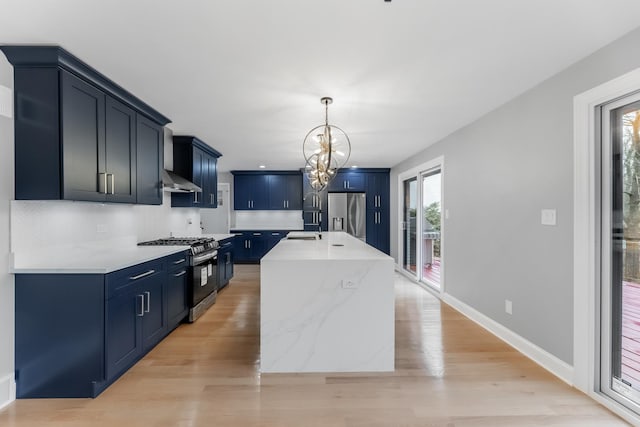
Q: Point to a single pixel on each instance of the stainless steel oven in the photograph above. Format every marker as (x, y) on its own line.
(203, 273)
(204, 283)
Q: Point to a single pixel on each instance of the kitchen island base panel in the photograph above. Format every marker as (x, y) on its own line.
(327, 316)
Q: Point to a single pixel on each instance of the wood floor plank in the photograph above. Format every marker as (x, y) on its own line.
(449, 373)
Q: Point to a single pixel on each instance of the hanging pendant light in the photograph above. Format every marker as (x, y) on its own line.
(326, 149)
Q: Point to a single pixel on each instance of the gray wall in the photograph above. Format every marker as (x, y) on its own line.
(500, 171)
(6, 279)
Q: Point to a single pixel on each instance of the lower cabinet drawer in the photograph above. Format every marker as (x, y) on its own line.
(119, 281)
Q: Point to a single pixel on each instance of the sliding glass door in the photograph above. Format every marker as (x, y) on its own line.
(620, 256)
(431, 216)
(421, 241)
(409, 224)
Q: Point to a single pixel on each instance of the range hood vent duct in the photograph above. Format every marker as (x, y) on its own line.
(174, 183)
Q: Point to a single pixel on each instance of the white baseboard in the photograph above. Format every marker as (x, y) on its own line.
(7, 390)
(551, 363)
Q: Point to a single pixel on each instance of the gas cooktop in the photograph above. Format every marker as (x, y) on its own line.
(198, 244)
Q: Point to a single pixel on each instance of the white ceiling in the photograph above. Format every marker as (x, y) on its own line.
(247, 76)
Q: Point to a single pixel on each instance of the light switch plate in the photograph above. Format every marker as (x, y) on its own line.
(548, 217)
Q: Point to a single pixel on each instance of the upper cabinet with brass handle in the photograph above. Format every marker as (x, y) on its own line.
(84, 129)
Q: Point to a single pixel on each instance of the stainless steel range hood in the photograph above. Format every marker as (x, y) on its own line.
(174, 183)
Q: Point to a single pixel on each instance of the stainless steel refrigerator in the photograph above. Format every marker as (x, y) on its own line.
(347, 212)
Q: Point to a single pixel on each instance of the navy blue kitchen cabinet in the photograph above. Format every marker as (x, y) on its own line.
(273, 190)
(120, 156)
(136, 316)
(374, 182)
(97, 127)
(314, 207)
(225, 262)
(59, 335)
(149, 160)
(240, 247)
(124, 343)
(251, 245)
(378, 225)
(83, 126)
(198, 162)
(77, 333)
(250, 191)
(285, 191)
(348, 180)
(273, 238)
(177, 290)
(75, 130)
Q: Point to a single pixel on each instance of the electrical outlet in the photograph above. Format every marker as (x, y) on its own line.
(548, 217)
(101, 228)
(446, 214)
(508, 306)
(349, 284)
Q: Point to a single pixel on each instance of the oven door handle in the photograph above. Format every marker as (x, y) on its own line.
(199, 259)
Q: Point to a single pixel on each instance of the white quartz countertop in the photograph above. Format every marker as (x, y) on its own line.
(267, 228)
(221, 236)
(332, 246)
(89, 260)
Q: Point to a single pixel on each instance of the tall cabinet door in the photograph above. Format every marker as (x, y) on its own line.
(150, 161)
(83, 152)
(210, 190)
(213, 181)
(199, 174)
(378, 227)
(120, 126)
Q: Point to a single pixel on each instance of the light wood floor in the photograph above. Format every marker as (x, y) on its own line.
(449, 373)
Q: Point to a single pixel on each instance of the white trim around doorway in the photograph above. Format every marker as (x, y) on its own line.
(586, 240)
(416, 172)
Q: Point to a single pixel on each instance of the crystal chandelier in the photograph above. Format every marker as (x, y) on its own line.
(326, 149)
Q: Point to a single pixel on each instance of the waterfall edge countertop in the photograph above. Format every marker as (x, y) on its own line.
(89, 260)
(326, 308)
(334, 245)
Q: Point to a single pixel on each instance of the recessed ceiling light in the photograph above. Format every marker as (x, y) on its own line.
(262, 166)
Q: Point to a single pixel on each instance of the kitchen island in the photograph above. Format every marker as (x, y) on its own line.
(326, 305)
